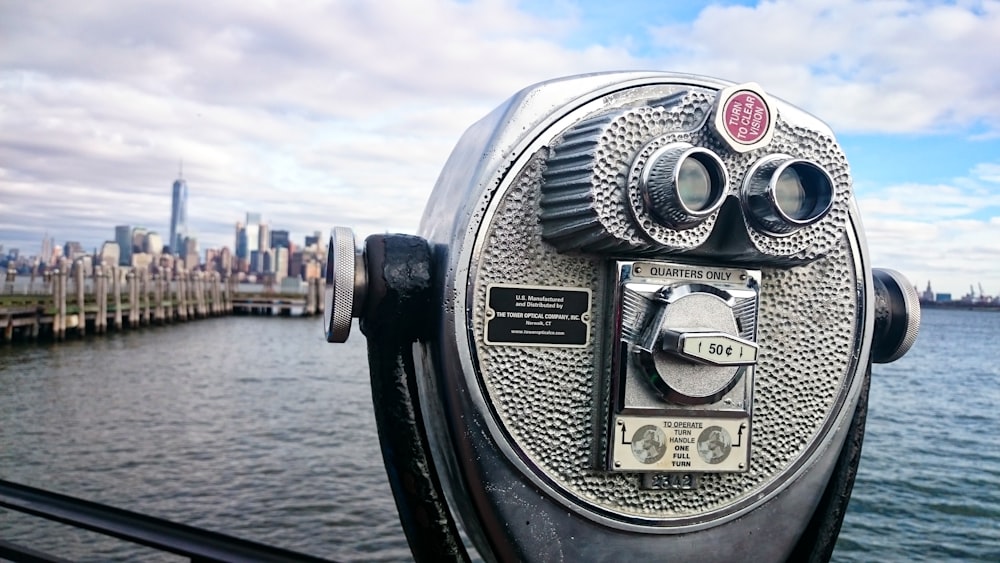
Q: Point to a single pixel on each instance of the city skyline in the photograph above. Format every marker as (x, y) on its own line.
(924, 288)
(345, 113)
(92, 246)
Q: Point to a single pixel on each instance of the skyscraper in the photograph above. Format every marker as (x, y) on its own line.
(47, 245)
(189, 252)
(178, 214)
(253, 232)
(280, 239)
(264, 237)
(123, 236)
(240, 246)
(139, 239)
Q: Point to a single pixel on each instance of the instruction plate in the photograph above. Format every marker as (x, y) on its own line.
(681, 444)
(529, 315)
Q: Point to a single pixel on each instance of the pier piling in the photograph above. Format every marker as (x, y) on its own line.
(78, 304)
(81, 326)
(116, 288)
(101, 295)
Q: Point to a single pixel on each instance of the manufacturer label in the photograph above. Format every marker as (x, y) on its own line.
(529, 315)
(675, 444)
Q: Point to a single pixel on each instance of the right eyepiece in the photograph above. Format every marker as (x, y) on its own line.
(683, 184)
(783, 193)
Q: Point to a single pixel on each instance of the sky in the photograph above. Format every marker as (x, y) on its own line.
(324, 113)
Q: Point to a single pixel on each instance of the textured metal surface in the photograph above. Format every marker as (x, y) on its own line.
(544, 399)
(593, 179)
(340, 285)
(510, 506)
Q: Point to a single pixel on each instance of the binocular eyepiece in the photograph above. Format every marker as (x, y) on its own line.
(639, 319)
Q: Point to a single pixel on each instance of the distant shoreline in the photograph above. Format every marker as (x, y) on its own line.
(959, 306)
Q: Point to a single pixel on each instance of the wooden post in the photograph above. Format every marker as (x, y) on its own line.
(221, 306)
(206, 282)
(80, 299)
(59, 326)
(158, 298)
(133, 299)
(144, 297)
(36, 327)
(307, 310)
(202, 302)
(216, 308)
(196, 293)
(188, 295)
(203, 285)
(188, 309)
(140, 282)
(320, 302)
(101, 296)
(116, 288)
(199, 293)
(210, 293)
(181, 303)
(11, 276)
(168, 296)
(54, 279)
(148, 296)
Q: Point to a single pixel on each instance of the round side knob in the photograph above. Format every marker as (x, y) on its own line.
(897, 316)
(346, 284)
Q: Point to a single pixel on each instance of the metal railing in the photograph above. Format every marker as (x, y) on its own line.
(188, 541)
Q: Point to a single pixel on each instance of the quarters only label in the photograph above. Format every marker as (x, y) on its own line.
(528, 315)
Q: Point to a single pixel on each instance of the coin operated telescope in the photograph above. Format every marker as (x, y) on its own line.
(637, 323)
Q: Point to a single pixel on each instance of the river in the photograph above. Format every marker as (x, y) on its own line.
(258, 428)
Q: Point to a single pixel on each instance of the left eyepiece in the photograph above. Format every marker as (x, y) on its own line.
(683, 184)
(783, 193)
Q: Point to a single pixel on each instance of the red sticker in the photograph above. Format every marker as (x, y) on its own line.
(746, 117)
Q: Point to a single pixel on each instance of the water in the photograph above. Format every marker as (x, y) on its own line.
(257, 428)
(248, 426)
(928, 487)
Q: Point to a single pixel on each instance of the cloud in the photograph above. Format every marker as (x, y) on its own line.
(988, 172)
(344, 112)
(351, 106)
(902, 66)
(945, 234)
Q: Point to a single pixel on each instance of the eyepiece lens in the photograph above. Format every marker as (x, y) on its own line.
(803, 192)
(790, 195)
(782, 193)
(694, 185)
(683, 184)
